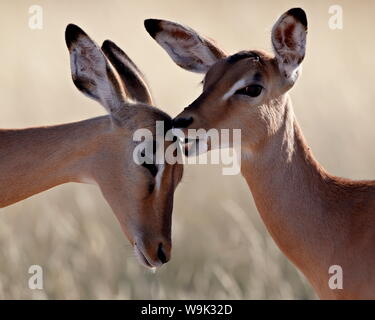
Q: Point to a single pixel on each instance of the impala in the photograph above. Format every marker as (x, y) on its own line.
(100, 150)
(317, 220)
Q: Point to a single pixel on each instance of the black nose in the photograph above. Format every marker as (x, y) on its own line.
(182, 122)
(161, 255)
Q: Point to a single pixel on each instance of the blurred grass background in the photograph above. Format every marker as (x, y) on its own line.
(221, 248)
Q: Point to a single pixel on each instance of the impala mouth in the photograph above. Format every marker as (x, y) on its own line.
(196, 146)
(192, 144)
(189, 145)
(142, 258)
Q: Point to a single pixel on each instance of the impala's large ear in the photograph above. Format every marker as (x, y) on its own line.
(132, 78)
(91, 72)
(289, 42)
(186, 47)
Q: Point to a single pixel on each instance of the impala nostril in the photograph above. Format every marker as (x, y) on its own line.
(161, 254)
(182, 122)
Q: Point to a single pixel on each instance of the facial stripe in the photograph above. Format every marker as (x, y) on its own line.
(159, 176)
(238, 85)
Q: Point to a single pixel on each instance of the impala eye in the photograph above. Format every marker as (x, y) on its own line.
(253, 90)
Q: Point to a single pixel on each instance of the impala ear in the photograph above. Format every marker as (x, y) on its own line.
(131, 77)
(186, 47)
(289, 42)
(92, 74)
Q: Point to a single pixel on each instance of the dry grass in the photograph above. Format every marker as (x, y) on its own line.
(72, 234)
(221, 248)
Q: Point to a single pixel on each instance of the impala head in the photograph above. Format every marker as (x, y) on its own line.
(141, 196)
(241, 91)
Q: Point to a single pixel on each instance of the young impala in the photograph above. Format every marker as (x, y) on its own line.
(99, 150)
(318, 220)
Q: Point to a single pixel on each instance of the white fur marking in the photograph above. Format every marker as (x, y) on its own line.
(238, 85)
(88, 180)
(159, 176)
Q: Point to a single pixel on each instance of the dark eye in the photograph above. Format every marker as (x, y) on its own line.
(151, 167)
(253, 90)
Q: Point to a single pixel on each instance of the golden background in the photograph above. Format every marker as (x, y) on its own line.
(221, 248)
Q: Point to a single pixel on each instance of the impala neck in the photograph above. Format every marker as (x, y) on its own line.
(288, 188)
(36, 159)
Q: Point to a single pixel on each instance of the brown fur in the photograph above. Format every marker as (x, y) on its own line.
(99, 150)
(316, 219)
